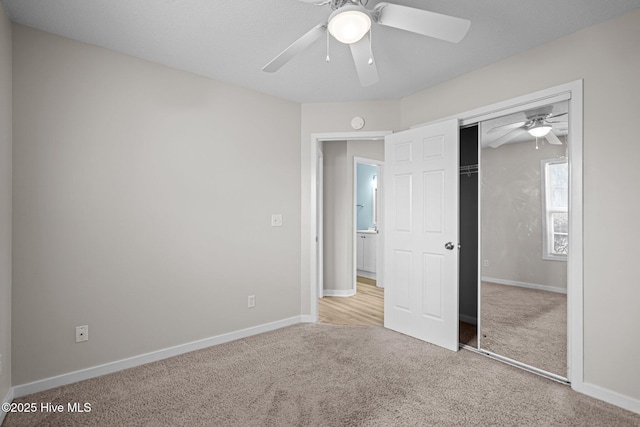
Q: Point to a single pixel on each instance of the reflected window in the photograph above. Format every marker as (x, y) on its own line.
(555, 175)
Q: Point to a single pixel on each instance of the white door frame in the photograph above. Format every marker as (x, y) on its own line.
(320, 221)
(316, 139)
(380, 200)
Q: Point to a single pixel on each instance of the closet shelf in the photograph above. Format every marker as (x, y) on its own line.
(469, 169)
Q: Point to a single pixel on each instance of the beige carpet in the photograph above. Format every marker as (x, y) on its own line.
(325, 375)
(526, 325)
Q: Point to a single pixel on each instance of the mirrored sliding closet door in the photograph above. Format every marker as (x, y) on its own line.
(524, 196)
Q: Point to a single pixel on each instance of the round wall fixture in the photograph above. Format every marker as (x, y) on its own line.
(357, 122)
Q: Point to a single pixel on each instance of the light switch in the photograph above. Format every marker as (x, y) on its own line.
(276, 220)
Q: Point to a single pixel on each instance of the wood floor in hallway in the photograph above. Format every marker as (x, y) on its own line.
(364, 308)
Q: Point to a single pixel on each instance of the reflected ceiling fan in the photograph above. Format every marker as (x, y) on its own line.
(350, 23)
(538, 125)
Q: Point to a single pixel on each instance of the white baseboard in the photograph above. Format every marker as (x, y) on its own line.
(107, 368)
(525, 285)
(7, 399)
(367, 274)
(339, 293)
(307, 318)
(617, 399)
(468, 319)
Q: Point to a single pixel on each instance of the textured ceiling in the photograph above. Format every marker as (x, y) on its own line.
(231, 40)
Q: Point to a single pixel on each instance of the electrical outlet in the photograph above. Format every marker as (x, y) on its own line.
(251, 301)
(485, 263)
(82, 333)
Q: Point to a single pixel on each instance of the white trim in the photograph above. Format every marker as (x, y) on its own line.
(468, 319)
(313, 176)
(350, 136)
(339, 292)
(525, 285)
(8, 398)
(575, 259)
(108, 368)
(320, 220)
(537, 99)
(612, 397)
(305, 318)
(368, 275)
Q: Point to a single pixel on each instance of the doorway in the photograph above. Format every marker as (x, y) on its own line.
(345, 294)
(366, 305)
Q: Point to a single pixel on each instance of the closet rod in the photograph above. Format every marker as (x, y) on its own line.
(469, 169)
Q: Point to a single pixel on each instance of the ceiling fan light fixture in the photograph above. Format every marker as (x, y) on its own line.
(539, 130)
(349, 24)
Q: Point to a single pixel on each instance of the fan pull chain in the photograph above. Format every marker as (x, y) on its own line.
(370, 62)
(329, 59)
(536, 142)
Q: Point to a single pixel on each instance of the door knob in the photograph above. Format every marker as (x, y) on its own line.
(449, 246)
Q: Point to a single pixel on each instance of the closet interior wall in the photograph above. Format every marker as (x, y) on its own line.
(468, 261)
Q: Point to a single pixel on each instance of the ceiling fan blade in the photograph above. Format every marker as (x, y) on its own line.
(295, 48)
(507, 137)
(431, 24)
(362, 57)
(506, 127)
(553, 116)
(553, 139)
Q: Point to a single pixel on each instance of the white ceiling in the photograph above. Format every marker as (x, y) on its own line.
(231, 40)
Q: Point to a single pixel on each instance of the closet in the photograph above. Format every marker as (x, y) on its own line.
(468, 258)
(514, 234)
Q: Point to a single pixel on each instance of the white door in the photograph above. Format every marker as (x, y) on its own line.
(421, 233)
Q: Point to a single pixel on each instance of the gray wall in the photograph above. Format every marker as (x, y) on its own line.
(5, 202)
(336, 214)
(602, 56)
(511, 205)
(142, 206)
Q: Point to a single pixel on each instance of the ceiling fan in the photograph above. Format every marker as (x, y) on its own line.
(350, 23)
(537, 124)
